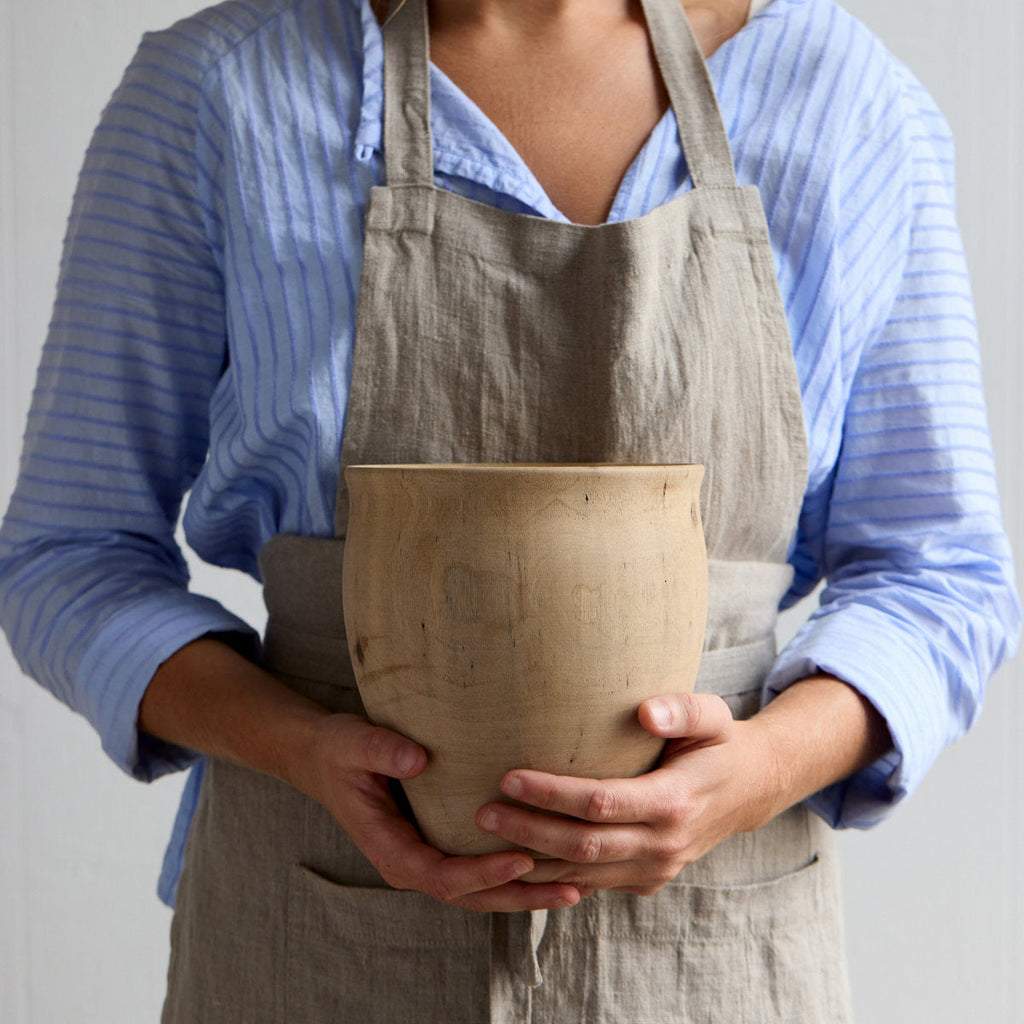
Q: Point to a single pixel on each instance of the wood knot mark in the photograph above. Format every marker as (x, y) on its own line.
(360, 652)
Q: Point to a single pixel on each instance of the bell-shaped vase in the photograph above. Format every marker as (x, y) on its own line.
(515, 616)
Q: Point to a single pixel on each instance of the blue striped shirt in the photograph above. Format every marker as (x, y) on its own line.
(201, 343)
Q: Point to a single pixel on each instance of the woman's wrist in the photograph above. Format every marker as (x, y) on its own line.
(818, 731)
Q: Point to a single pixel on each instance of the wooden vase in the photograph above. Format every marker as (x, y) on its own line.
(515, 616)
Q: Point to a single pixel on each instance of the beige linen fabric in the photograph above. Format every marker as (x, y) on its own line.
(489, 336)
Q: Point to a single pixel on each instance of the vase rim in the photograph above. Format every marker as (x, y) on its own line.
(500, 467)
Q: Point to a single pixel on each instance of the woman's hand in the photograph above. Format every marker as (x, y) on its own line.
(634, 835)
(352, 762)
(717, 776)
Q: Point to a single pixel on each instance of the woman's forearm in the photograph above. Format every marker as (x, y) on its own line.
(209, 698)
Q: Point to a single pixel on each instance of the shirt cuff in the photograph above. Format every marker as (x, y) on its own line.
(900, 681)
(126, 652)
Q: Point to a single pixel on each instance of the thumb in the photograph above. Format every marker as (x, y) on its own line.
(696, 717)
(375, 749)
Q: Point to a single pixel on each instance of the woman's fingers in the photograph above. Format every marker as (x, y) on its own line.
(599, 833)
(690, 720)
(607, 801)
(565, 838)
(522, 896)
(485, 883)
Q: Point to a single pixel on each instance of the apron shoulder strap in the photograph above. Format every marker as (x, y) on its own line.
(702, 131)
(408, 146)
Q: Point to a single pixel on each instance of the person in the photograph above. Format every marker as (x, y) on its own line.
(295, 246)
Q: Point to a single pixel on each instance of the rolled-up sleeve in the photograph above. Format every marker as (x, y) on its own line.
(93, 589)
(919, 606)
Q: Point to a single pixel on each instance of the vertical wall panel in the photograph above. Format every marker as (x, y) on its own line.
(13, 840)
(934, 898)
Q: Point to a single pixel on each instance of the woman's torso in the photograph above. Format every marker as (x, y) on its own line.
(292, 267)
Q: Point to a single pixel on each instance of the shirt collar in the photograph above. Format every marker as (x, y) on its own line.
(466, 143)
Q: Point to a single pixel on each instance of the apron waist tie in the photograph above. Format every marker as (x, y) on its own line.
(735, 673)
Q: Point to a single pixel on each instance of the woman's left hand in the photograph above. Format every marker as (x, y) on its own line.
(717, 776)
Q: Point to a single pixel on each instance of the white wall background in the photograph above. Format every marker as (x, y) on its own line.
(935, 902)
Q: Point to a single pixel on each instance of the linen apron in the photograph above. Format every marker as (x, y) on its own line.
(487, 336)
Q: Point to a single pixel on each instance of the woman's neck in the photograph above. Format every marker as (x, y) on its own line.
(713, 21)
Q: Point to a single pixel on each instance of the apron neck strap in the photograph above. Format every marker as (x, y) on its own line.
(408, 147)
(702, 131)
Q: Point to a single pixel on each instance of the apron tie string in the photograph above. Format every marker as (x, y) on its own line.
(515, 970)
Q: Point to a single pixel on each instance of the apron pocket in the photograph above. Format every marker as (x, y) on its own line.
(376, 955)
(783, 940)
(769, 953)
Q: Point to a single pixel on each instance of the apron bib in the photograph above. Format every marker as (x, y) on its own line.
(488, 336)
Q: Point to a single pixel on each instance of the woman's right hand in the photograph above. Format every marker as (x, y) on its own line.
(210, 699)
(350, 764)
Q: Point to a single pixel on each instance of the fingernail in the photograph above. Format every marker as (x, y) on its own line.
(660, 713)
(406, 761)
(512, 786)
(489, 822)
